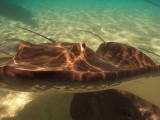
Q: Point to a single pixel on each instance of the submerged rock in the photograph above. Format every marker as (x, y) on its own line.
(112, 105)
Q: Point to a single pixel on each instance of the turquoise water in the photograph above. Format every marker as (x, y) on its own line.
(134, 22)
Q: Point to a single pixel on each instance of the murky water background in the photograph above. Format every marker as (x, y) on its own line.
(134, 22)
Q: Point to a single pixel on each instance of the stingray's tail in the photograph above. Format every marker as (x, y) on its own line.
(152, 3)
(149, 51)
(91, 33)
(38, 34)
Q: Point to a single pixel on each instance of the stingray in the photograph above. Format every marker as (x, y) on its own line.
(74, 68)
(112, 105)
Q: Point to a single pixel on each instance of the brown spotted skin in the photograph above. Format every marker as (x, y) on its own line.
(123, 55)
(48, 65)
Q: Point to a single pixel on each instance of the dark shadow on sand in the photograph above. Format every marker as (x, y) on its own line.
(16, 12)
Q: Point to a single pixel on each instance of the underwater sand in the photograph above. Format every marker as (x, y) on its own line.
(134, 22)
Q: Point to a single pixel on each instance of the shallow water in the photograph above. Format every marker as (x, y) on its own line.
(134, 22)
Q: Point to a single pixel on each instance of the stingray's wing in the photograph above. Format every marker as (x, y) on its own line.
(10, 46)
(4, 59)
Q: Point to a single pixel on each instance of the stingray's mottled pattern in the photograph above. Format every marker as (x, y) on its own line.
(124, 56)
(148, 110)
(45, 64)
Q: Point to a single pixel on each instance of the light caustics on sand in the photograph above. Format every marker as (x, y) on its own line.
(13, 102)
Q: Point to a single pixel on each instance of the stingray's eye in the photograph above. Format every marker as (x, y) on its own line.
(83, 45)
